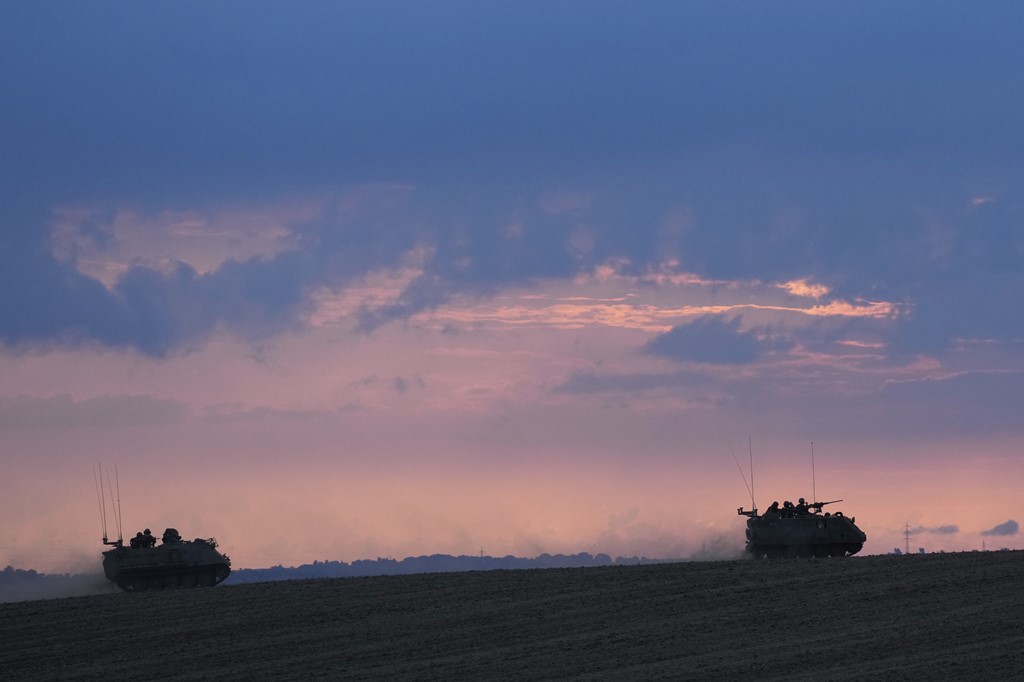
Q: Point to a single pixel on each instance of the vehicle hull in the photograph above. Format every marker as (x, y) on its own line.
(813, 535)
(190, 563)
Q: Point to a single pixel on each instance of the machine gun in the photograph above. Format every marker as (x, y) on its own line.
(818, 505)
(752, 513)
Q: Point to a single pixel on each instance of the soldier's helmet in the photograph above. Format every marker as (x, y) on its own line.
(147, 531)
(802, 501)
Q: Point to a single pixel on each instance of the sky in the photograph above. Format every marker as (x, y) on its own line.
(354, 279)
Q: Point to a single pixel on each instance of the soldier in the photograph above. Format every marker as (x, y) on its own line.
(171, 535)
(801, 508)
(136, 541)
(773, 511)
(149, 540)
(787, 510)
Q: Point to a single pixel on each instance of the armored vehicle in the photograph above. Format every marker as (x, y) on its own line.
(801, 531)
(173, 563)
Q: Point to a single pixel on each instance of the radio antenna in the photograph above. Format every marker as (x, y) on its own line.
(744, 476)
(110, 491)
(750, 450)
(814, 491)
(120, 525)
(97, 480)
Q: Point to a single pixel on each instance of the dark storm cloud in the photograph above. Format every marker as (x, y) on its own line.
(254, 299)
(713, 340)
(46, 302)
(42, 299)
(835, 141)
(243, 92)
(1011, 527)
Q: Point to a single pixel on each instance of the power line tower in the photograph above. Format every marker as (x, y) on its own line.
(906, 536)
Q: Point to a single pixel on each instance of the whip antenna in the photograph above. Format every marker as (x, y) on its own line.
(117, 480)
(744, 476)
(814, 491)
(750, 450)
(110, 492)
(98, 483)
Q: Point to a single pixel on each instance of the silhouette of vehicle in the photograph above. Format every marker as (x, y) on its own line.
(811, 534)
(174, 563)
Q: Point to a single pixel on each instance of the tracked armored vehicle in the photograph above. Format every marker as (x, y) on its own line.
(174, 563)
(801, 531)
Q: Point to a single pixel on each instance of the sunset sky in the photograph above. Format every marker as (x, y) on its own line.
(342, 280)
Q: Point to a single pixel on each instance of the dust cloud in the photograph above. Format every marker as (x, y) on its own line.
(20, 585)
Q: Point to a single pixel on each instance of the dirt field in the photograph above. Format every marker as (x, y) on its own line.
(949, 616)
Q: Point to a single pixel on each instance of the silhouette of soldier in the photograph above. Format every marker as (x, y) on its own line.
(773, 511)
(136, 541)
(787, 510)
(170, 535)
(148, 538)
(801, 508)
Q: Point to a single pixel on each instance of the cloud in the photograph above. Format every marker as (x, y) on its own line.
(965, 402)
(65, 412)
(224, 413)
(332, 113)
(947, 529)
(502, 184)
(845, 393)
(254, 299)
(402, 385)
(801, 287)
(590, 383)
(45, 301)
(1011, 527)
(711, 339)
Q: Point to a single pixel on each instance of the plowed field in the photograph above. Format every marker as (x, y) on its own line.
(943, 616)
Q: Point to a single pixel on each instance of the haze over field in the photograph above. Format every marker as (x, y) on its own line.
(358, 279)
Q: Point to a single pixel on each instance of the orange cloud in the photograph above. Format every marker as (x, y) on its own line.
(801, 287)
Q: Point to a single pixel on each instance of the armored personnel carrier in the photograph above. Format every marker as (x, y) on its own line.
(173, 563)
(801, 531)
